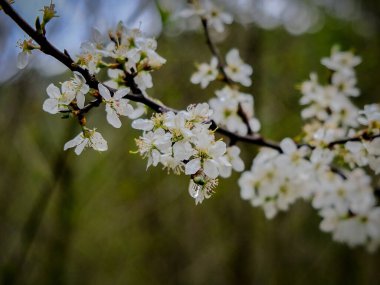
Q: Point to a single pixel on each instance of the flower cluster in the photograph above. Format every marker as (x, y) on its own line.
(329, 175)
(233, 109)
(329, 110)
(345, 201)
(183, 142)
(276, 180)
(127, 52)
(129, 58)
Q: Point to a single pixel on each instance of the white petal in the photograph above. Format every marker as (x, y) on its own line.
(53, 91)
(182, 151)
(142, 124)
(80, 100)
(211, 169)
(104, 92)
(112, 117)
(121, 93)
(74, 142)
(137, 112)
(98, 142)
(288, 146)
(80, 147)
(155, 157)
(79, 77)
(51, 106)
(124, 109)
(225, 171)
(232, 56)
(192, 166)
(193, 189)
(218, 149)
(22, 60)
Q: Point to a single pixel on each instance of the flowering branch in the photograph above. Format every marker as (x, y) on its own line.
(221, 67)
(64, 57)
(47, 48)
(336, 179)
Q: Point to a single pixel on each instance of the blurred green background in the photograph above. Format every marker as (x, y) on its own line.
(101, 218)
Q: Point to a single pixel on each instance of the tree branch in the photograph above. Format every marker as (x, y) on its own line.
(137, 96)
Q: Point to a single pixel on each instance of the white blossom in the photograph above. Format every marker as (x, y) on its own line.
(201, 187)
(78, 87)
(206, 73)
(236, 163)
(115, 106)
(343, 61)
(87, 138)
(370, 116)
(236, 69)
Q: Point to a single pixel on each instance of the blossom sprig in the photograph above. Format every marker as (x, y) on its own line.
(88, 138)
(347, 205)
(129, 55)
(327, 168)
(232, 109)
(183, 143)
(228, 105)
(49, 13)
(329, 112)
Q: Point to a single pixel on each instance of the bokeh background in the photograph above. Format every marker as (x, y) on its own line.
(101, 218)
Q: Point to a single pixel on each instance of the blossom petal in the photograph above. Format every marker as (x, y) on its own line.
(53, 91)
(74, 142)
(192, 166)
(51, 106)
(211, 169)
(121, 93)
(80, 100)
(288, 146)
(104, 92)
(112, 117)
(98, 142)
(143, 124)
(80, 147)
(22, 60)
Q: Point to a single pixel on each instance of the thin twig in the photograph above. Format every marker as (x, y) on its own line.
(221, 66)
(215, 52)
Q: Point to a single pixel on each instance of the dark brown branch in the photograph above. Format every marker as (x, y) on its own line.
(364, 136)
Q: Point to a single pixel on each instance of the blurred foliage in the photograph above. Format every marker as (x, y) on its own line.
(106, 220)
